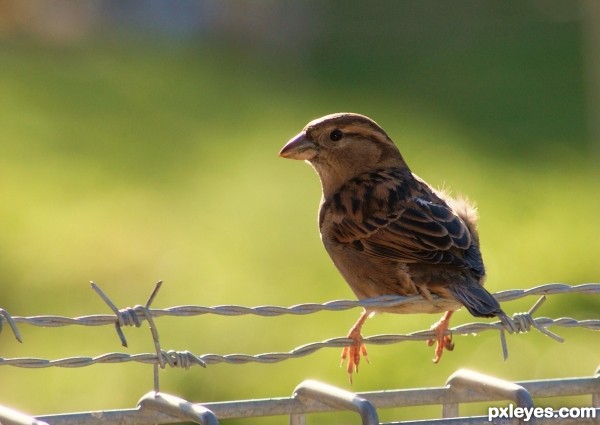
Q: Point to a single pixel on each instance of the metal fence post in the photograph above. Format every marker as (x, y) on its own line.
(312, 391)
(466, 381)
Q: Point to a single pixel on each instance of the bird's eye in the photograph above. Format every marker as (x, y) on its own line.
(336, 135)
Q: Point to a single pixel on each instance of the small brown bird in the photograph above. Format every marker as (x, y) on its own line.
(387, 231)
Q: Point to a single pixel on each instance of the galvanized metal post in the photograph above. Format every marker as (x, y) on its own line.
(178, 408)
(466, 381)
(596, 394)
(312, 391)
(13, 417)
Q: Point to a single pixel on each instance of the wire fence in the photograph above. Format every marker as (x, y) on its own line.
(464, 386)
(137, 315)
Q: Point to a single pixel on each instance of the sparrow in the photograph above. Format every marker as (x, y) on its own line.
(387, 231)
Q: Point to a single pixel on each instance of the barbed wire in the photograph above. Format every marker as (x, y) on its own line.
(135, 316)
(186, 359)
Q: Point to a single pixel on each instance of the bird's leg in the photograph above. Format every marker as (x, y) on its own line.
(441, 339)
(357, 348)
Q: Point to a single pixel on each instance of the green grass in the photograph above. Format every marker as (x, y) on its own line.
(126, 164)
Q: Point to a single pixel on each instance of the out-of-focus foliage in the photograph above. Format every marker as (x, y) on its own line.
(128, 159)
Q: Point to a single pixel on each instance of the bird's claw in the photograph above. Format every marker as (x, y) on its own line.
(441, 341)
(353, 353)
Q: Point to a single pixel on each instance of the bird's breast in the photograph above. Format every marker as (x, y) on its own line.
(369, 276)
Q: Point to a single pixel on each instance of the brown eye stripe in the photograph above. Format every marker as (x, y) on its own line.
(372, 137)
(362, 123)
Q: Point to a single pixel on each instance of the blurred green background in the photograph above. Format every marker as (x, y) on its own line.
(139, 142)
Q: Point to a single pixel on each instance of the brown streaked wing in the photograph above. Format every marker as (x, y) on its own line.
(394, 219)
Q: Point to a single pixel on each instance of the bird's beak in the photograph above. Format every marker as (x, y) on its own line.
(300, 147)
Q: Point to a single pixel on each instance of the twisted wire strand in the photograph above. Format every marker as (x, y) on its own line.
(172, 358)
(134, 316)
(186, 359)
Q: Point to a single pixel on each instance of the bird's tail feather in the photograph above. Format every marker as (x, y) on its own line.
(476, 299)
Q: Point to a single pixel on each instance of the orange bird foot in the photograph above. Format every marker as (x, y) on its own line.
(441, 339)
(354, 351)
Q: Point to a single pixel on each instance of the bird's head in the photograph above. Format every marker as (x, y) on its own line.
(342, 146)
